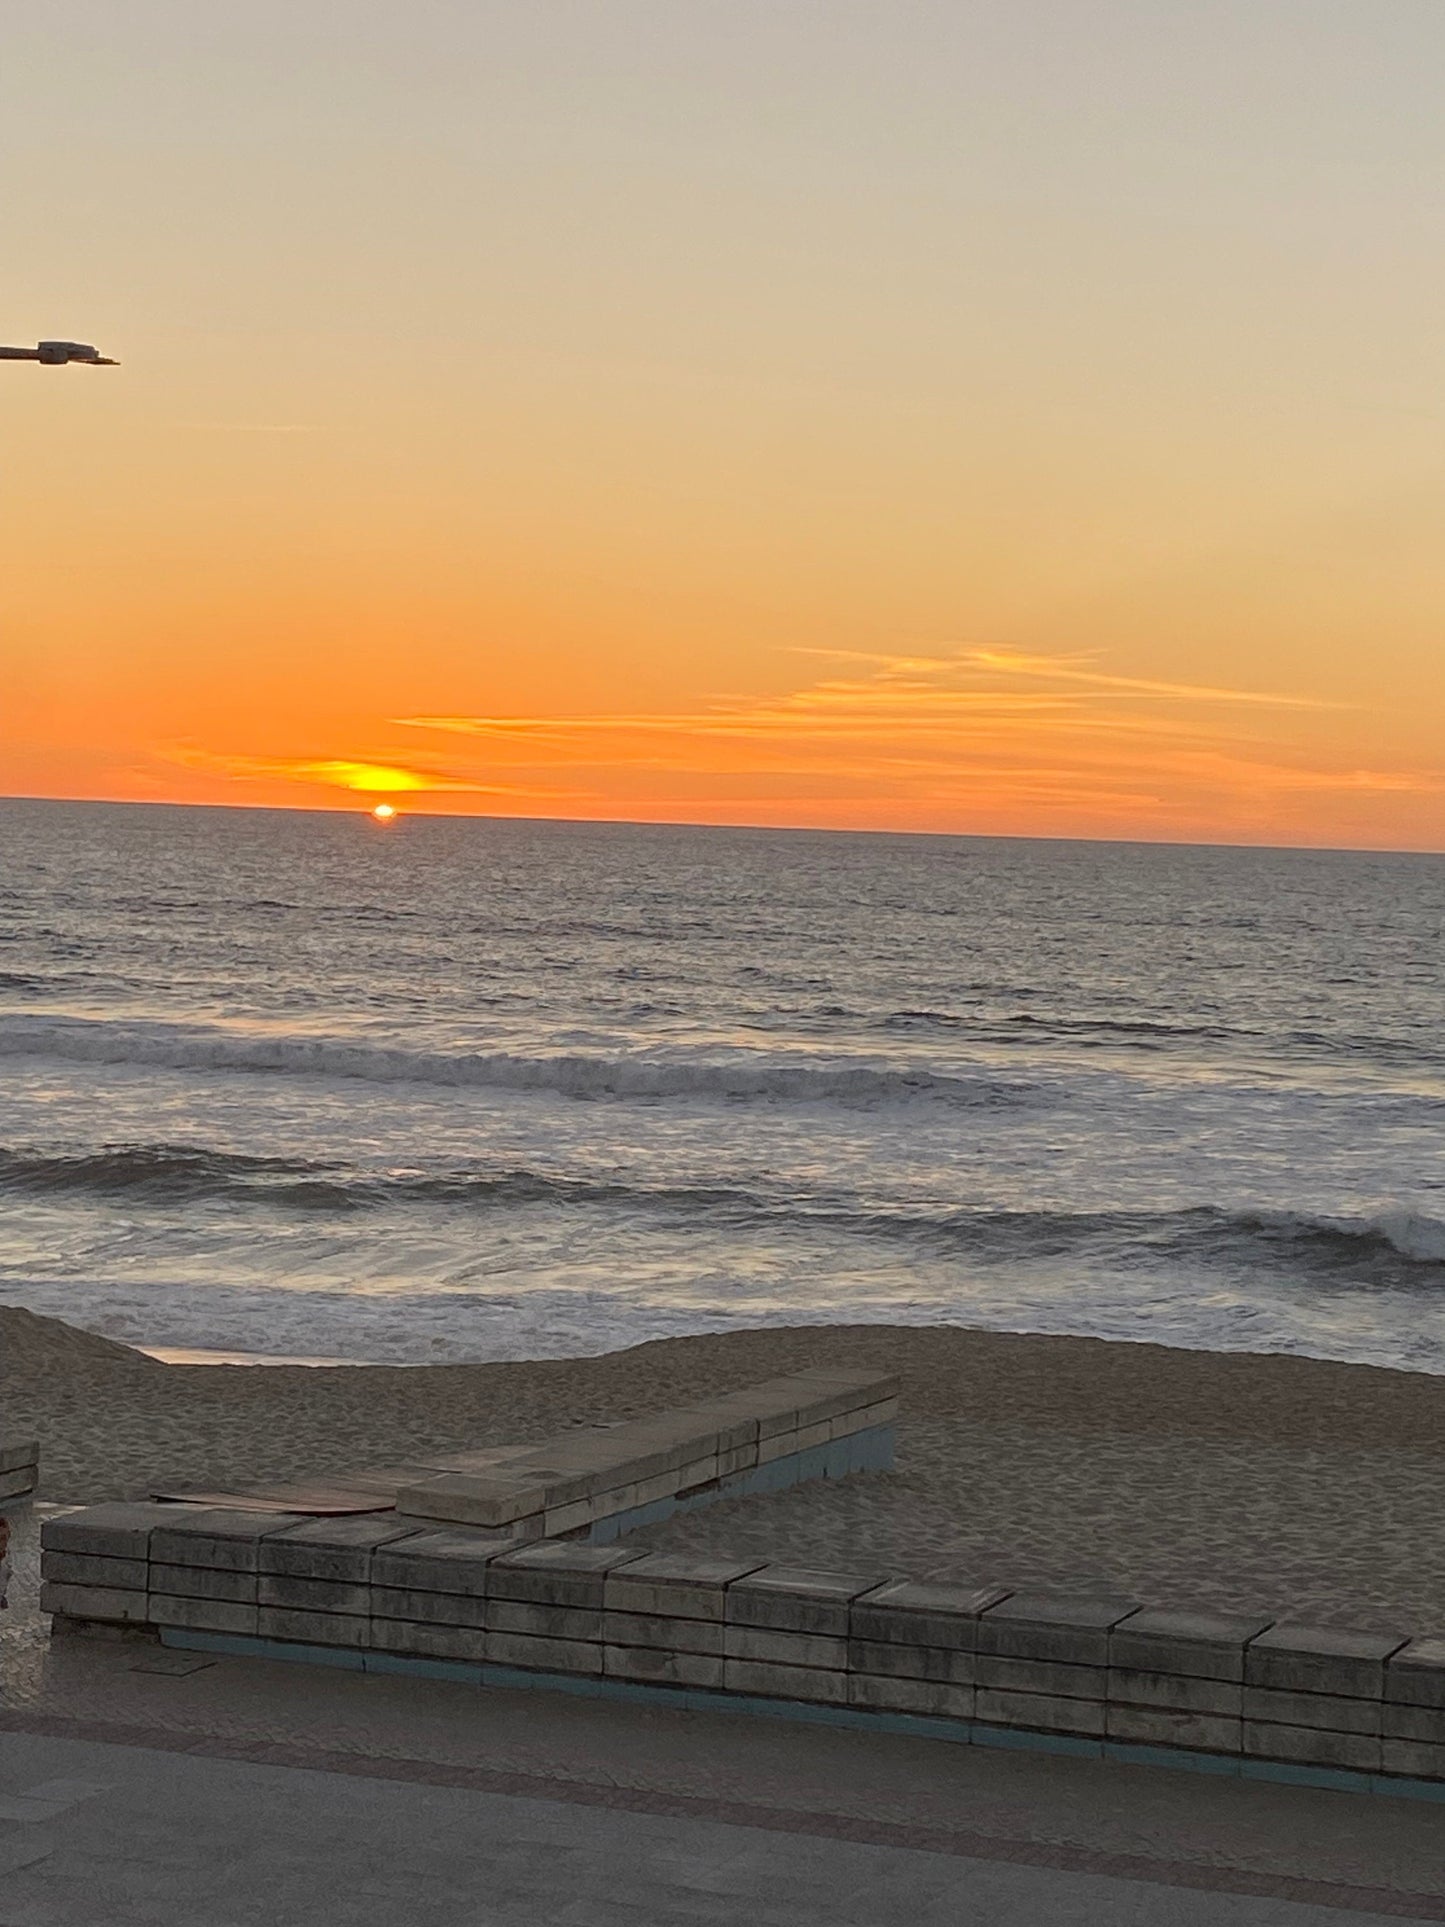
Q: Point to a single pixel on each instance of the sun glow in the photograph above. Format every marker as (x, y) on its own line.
(384, 812)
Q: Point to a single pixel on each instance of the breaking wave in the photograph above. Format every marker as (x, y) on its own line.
(739, 1078)
(173, 1174)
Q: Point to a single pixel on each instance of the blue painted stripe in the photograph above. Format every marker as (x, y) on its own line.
(1335, 1779)
(857, 1718)
(1134, 1753)
(461, 1671)
(1023, 1739)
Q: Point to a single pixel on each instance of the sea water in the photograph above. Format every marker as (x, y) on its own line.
(467, 1088)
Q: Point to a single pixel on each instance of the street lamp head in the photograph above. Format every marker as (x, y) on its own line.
(53, 354)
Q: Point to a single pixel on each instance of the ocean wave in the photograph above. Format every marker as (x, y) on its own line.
(1412, 1235)
(1396, 1240)
(740, 1078)
(171, 1174)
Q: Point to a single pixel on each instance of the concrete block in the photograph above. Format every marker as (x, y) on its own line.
(313, 1629)
(698, 1473)
(890, 1660)
(796, 1599)
(1334, 1712)
(569, 1518)
(864, 1420)
(224, 1540)
(1202, 1645)
(113, 1531)
(804, 1439)
(334, 1549)
(735, 1428)
(772, 1407)
(867, 1384)
(1050, 1676)
(18, 1482)
(94, 1569)
(1423, 1724)
(454, 1562)
(823, 1650)
(735, 1416)
(1312, 1659)
(201, 1582)
(829, 1395)
(936, 1698)
(911, 1612)
(1174, 1726)
(485, 1458)
(544, 1621)
(1074, 1630)
(18, 1455)
(202, 1615)
(558, 1574)
(810, 1683)
(1418, 1759)
(653, 1667)
(1175, 1692)
(428, 1608)
(732, 1459)
(1044, 1712)
(648, 1449)
(428, 1642)
(1312, 1746)
(638, 1492)
(472, 1498)
(313, 1595)
(545, 1655)
(684, 1585)
(1415, 1675)
(663, 1632)
(117, 1605)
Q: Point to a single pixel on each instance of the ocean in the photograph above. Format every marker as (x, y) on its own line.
(454, 1089)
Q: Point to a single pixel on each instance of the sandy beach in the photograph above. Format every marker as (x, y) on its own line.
(1179, 1477)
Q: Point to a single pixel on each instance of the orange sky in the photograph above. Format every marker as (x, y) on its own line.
(916, 417)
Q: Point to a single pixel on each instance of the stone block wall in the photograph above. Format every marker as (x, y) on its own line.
(602, 1482)
(1097, 1674)
(19, 1468)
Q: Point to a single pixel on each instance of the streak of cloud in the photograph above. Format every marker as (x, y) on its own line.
(956, 734)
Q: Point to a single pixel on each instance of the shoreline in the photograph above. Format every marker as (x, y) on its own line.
(200, 1355)
(1232, 1480)
(207, 1355)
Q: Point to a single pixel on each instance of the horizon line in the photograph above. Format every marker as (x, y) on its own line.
(364, 810)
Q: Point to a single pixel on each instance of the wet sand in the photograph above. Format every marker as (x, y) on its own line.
(1231, 1480)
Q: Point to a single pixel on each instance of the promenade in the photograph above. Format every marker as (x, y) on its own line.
(139, 1785)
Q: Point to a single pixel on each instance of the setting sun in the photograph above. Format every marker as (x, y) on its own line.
(384, 812)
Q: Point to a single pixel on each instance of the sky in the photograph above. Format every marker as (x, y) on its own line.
(1002, 416)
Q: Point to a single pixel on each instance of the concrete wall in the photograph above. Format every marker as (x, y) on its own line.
(1086, 1674)
(19, 1468)
(602, 1481)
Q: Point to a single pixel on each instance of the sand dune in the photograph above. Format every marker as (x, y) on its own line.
(1233, 1479)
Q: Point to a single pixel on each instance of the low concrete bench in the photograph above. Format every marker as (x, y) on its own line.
(19, 1468)
(601, 1483)
(971, 1662)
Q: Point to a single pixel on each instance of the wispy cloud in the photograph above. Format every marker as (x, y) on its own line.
(984, 737)
(329, 772)
(1075, 669)
(929, 733)
(253, 428)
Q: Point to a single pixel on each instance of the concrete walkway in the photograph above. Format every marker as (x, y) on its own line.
(105, 1836)
(139, 1785)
